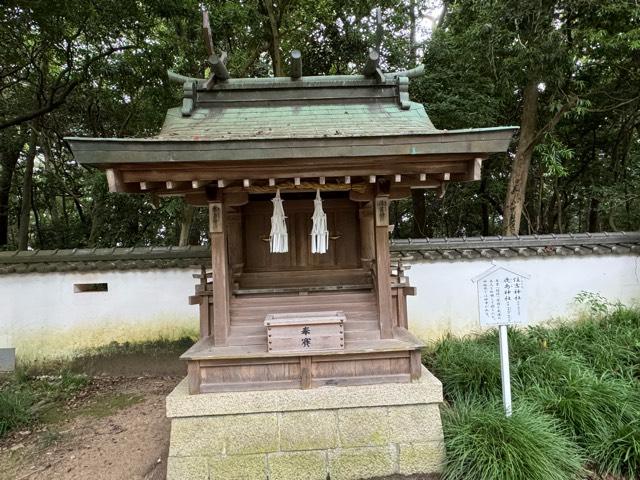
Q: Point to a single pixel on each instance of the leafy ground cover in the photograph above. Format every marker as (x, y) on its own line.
(25, 399)
(576, 394)
(36, 392)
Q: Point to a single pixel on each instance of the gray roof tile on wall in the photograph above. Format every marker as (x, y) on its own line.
(409, 250)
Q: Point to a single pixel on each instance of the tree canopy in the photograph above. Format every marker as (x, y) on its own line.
(567, 72)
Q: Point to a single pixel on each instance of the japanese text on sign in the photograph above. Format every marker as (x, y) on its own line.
(502, 298)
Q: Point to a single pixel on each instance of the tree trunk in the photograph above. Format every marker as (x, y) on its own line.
(185, 225)
(419, 213)
(484, 206)
(593, 219)
(8, 161)
(276, 57)
(520, 169)
(413, 45)
(27, 191)
(97, 219)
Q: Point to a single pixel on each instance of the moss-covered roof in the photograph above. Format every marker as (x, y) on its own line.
(339, 119)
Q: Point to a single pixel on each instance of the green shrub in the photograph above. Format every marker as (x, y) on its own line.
(618, 453)
(582, 376)
(522, 343)
(466, 368)
(23, 398)
(544, 368)
(482, 443)
(15, 410)
(610, 345)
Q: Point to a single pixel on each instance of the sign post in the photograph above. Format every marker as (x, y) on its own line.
(502, 301)
(504, 370)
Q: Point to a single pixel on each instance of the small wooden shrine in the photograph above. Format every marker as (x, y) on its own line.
(297, 319)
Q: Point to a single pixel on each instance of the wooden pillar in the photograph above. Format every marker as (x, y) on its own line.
(401, 308)
(383, 266)
(234, 240)
(220, 270)
(367, 249)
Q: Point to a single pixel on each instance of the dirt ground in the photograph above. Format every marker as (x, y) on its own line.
(114, 429)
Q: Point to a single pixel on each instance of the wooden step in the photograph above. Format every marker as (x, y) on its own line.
(240, 319)
(322, 302)
(246, 329)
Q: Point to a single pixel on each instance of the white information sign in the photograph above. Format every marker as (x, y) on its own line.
(502, 297)
(502, 301)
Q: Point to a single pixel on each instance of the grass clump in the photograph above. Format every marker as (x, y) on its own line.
(24, 399)
(482, 443)
(576, 385)
(15, 410)
(466, 368)
(106, 405)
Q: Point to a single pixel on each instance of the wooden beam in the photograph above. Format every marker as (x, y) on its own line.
(218, 67)
(358, 196)
(116, 182)
(475, 169)
(296, 65)
(291, 168)
(197, 199)
(399, 192)
(206, 32)
(235, 199)
(367, 236)
(148, 186)
(383, 265)
(220, 269)
(371, 65)
(198, 183)
(171, 185)
(305, 372)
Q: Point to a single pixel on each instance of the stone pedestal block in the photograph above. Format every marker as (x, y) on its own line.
(340, 433)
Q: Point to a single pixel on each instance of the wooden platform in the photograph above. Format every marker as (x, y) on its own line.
(252, 367)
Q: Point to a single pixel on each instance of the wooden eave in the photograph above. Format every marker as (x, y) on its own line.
(131, 162)
(106, 152)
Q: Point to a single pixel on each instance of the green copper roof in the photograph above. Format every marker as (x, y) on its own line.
(296, 121)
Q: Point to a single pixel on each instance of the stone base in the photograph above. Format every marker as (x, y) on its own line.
(340, 433)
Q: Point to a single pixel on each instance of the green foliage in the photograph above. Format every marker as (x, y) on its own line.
(24, 399)
(585, 172)
(618, 452)
(482, 443)
(14, 410)
(466, 368)
(597, 304)
(582, 376)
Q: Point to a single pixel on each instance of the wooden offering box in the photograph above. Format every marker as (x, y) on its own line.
(305, 332)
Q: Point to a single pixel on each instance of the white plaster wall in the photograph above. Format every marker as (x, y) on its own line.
(446, 299)
(42, 316)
